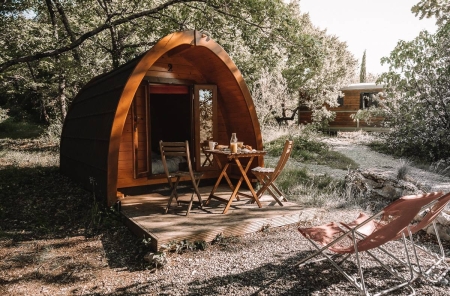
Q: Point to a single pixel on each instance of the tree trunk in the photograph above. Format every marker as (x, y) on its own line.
(62, 97)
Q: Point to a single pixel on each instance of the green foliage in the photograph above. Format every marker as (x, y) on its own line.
(66, 43)
(438, 9)
(183, 246)
(418, 87)
(3, 114)
(147, 241)
(223, 241)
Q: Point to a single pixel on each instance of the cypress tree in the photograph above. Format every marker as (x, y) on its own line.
(362, 74)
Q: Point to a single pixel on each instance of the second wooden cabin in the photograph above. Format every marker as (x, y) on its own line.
(356, 97)
(185, 88)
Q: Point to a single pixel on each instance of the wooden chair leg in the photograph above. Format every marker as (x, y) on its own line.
(173, 194)
(281, 195)
(275, 196)
(195, 184)
(267, 184)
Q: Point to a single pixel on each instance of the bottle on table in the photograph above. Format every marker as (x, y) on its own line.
(233, 143)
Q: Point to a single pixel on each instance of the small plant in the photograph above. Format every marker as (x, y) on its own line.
(3, 114)
(156, 260)
(403, 170)
(160, 259)
(218, 239)
(146, 241)
(52, 134)
(265, 227)
(95, 215)
(201, 245)
(183, 245)
(223, 241)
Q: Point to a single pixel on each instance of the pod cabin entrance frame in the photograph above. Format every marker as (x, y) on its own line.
(170, 113)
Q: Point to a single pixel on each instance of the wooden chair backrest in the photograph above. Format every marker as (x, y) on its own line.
(175, 149)
(283, 159)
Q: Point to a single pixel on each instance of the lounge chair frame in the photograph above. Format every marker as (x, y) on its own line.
(366, 235)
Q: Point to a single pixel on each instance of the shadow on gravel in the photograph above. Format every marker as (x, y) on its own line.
(288, 279)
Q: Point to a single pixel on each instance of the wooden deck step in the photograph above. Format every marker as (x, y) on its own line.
(144, 214)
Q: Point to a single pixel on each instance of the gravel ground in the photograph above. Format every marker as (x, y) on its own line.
(262, 263)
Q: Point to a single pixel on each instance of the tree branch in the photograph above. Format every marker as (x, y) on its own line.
(87, 35)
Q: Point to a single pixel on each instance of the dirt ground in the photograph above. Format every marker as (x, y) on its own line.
(67, 259)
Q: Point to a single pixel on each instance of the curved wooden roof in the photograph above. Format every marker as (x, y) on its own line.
(93, 127)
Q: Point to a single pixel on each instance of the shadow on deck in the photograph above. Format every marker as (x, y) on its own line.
(144, 215)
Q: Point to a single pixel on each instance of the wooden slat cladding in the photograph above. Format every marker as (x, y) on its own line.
(232, 104)
(175, 67)
(133, 154)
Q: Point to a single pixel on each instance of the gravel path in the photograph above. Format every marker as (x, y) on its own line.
(367, 158)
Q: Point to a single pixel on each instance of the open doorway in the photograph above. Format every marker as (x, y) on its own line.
(170, 119)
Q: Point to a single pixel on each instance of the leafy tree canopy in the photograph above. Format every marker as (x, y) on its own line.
(418, 88)
(50, 48)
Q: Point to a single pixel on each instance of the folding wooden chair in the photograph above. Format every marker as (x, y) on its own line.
(180, 149)
(365, 234)
(208, 156)
(267, 176)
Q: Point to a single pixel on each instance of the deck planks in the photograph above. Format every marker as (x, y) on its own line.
(144, 216)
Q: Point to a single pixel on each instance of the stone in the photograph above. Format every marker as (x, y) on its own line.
(376, 184)
(442, 230)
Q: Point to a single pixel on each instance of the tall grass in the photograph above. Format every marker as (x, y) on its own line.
(10, 128)
(308, 148)
(303, 187)
(300, 185)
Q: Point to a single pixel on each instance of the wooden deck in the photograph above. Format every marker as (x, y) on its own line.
(144, 214)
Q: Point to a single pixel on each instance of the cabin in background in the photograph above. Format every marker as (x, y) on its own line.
(184, 88)
(356, 97)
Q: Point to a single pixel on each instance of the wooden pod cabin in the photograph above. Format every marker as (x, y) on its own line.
(184, 88)
(356, 97)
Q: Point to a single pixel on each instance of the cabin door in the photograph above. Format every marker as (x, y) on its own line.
(205, 123)
(158, 112)
(140, 129)
(170, 118)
